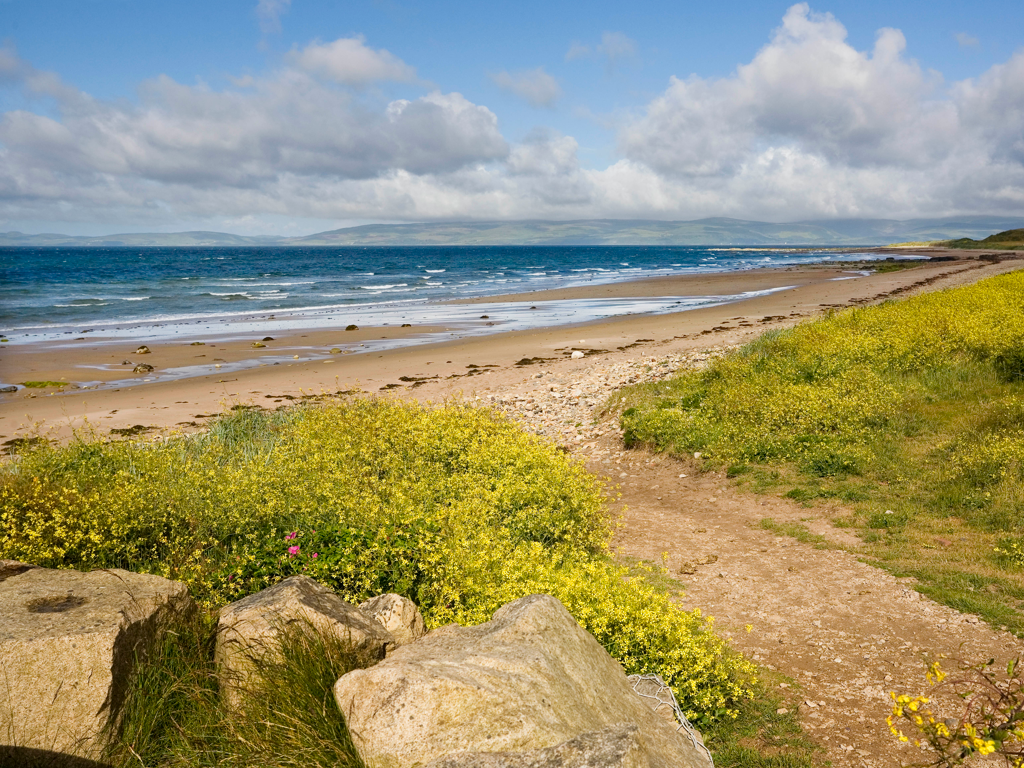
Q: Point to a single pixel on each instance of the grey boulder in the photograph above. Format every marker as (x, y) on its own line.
(68, 644)
(248, 631)
(530, 678)
(398, 615)
(617, 746)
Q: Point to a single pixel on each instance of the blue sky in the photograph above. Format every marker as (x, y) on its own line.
(285, 117)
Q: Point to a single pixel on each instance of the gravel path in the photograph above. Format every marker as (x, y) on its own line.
(845, 632)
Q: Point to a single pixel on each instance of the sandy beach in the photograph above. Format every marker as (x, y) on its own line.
(468, 368)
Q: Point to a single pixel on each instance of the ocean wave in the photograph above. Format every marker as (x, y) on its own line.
(135, 298)
(434, 271)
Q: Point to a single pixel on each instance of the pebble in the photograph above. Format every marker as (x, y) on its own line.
(566, 407)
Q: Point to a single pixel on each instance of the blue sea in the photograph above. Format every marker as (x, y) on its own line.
(151, 292)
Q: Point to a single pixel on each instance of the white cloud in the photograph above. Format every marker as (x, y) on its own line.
(615, 46)
(577, 51)
(809, 127)
(188, 146)
(349, 61)
(813, 127)
(269, 14)
(536, 86)
(965, 40)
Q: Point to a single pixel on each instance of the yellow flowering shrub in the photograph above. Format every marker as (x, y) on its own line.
(454, 506)
(822, 393)
(989, 719)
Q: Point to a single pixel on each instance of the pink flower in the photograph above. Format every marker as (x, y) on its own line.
(315, 555)
(293, 551)
(291, 535)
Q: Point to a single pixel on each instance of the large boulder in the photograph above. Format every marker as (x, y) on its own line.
(398, 615)
(249, 630)
(68, 644)
(617, 746)
(529, 679)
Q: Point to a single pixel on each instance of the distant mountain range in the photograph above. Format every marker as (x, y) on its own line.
(716, 231)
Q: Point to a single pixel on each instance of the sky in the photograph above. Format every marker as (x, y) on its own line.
(289, 117)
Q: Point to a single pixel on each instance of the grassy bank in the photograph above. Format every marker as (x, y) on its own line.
(453, 506)
(909, 414)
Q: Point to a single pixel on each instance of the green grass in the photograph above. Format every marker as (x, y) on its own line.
(903, 422)
(796, 531)
(43, 384)
(174, 717)
(761, 737)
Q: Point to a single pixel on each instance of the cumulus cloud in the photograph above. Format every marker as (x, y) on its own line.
(181, 141)
(809, 127)
(536, 86)
(269, 14)
(350, 61)
(812, 126)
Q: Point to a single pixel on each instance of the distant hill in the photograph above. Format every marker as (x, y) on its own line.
(714, 231)
(1011, 240)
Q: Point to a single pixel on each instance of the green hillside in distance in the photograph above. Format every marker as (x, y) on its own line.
(1010, 240)
(702, 232)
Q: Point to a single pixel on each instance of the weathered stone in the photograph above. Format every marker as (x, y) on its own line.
(528, 679)
(248, 630)
(616, 746)
(9, 568)
(68, 644)
(657, 696)
(398, 615)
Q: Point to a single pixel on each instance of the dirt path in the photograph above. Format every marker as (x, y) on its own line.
(846, 632)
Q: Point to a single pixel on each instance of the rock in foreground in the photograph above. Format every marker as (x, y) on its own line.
(529, 679)
(248, 630)
(398, 615)
(616, 746)
(68, 644)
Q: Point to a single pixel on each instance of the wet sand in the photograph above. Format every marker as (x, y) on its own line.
(468, 368)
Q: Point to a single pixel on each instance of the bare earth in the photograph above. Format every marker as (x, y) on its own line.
(845, 632)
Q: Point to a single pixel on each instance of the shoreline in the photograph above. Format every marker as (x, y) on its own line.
(459, 367)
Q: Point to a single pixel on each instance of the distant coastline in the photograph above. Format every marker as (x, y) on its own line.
(724, 232)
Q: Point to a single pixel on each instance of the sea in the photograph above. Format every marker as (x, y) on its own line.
(152, 293)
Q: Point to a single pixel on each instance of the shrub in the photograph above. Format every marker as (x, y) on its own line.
(823, 392)
(455, 507)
